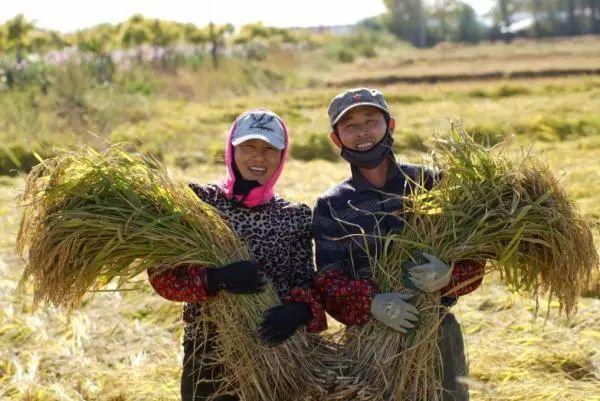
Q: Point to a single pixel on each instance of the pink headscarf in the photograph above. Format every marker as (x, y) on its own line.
(263, 193)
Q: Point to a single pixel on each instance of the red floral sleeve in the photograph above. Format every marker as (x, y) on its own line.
(186, 283)
(312, 299)
(467, 275)
(346, 300)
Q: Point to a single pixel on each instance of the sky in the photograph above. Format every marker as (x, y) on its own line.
(70, 15)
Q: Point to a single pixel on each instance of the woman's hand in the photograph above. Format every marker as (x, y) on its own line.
(281, 322)
(242, 277)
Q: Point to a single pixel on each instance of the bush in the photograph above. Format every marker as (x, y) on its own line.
(187, 160)
(408, 140)
(407, 98)
(511, 90)
(216, 152)
(313, 146)
(141, 87)
(550, 128)
(18, 75)
(500, 92)
(345, 56)
(256, 50)
(489, 134)
(368, 52)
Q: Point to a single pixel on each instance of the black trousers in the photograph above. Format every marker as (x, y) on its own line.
(199, 379)
(454, 361)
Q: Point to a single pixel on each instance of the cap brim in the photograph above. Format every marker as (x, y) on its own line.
(352, 106)
(277, 144)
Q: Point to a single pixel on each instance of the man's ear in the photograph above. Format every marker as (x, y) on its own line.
(335, 139)
(392, 125)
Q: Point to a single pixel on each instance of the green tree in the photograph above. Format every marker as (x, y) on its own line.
(407, 20)
(194, 35)
(443, 14)
(134, 32)
(99, 40)
(454, 20)
(256, 39)
(536, 9)
(16, 32)
(573, 27)
(594, 13)
(546, 17)
(164, 33)
(257, 30)
(469, 29)
(217, 36)
(505, 14)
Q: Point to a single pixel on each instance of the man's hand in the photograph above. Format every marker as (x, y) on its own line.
(242, 277)
(392, 310)
(281, 322)
(431, 276)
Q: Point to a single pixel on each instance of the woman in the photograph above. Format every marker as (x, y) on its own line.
(278, 235)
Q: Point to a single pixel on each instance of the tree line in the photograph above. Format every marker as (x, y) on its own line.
(421, 22)
(424, 24)
(20, 36)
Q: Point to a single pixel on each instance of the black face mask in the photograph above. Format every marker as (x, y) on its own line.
(242, 186)
(370, 158)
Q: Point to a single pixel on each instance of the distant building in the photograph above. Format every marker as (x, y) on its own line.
(522, 22)
(338, 30)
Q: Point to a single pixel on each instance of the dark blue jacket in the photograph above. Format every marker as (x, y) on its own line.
(349, 218)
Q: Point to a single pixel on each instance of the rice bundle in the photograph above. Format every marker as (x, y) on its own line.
(93, 217)
(511, 212)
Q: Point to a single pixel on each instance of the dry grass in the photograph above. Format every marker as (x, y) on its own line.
(126, 346)
(450, 59)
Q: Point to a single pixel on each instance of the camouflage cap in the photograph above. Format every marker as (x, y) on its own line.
(352, 98)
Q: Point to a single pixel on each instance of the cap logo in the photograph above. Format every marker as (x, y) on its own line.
(261, 122)
(356, 97)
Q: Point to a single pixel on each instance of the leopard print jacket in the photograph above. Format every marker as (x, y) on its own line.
(279, 236)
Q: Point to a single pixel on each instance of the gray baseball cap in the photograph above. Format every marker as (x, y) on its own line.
(259, 124)
(352, 98)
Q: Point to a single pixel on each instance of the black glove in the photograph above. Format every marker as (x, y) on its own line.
(238, 278)
(281, 322)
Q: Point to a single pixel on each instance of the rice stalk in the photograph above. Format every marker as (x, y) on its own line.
(511, 212)
(90, 218)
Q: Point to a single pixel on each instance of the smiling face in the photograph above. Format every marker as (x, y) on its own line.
(256, 160)
(361, 128)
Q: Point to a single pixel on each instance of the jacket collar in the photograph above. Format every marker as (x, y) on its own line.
(394, 180)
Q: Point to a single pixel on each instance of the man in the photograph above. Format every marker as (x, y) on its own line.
(348, 219)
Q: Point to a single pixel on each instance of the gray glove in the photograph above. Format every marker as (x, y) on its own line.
(431, 276)
(392, 310)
